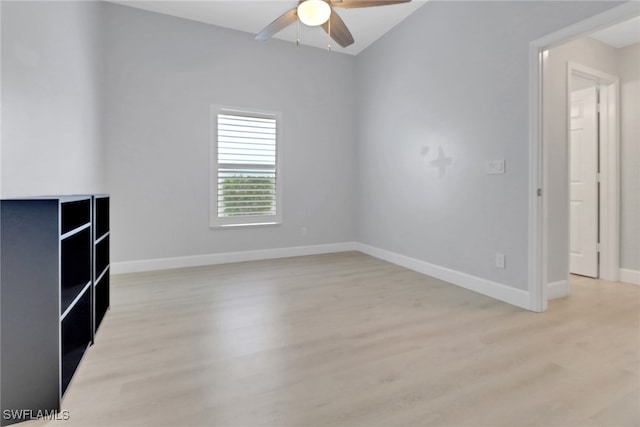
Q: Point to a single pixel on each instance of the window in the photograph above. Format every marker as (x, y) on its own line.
(245, 173)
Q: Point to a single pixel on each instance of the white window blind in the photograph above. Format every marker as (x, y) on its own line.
(246, 169)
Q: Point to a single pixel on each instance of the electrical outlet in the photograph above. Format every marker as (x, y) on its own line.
(495, 167)
(500, 260)
(303, 231)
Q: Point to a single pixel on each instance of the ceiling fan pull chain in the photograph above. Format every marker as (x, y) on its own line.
(329, 35)
(298, 32)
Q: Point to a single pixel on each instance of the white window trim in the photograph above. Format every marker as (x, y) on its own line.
(234, 222)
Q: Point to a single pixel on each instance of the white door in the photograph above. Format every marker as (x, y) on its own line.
(584, 182)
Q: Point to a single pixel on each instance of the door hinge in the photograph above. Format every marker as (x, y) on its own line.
(598, 177)
(539, 192)
(597, 247)
(598, 107)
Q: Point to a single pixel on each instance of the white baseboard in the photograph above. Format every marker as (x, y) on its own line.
(495, 290)
(630, 276)
(228, 257)
(559, 289)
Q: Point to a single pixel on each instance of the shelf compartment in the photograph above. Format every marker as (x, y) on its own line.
(102, 298)
(76, 336)
(75, 214)
(102, 216)
(102, 256)
(75, 266)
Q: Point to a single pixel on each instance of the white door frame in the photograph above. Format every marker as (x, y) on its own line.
(538, 223)
(609, 153)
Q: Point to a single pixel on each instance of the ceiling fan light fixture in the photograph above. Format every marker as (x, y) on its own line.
(314, 12)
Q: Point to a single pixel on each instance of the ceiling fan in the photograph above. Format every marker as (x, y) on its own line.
(320, 12)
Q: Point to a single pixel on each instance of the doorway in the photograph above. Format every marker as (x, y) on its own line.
(543, 250)
(592, 117)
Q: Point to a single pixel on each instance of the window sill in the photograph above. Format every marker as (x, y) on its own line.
(248, 225)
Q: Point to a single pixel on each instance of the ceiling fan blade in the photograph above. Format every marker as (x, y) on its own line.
(278, 25)
(339, 31)
(350, 4)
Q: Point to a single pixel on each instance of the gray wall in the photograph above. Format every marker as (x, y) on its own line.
(617, 62)
(162, 73)
(359, 152)
(629, 72)
(452, 76)
(51, 100)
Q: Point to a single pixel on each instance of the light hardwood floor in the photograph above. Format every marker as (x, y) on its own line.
(349, 340)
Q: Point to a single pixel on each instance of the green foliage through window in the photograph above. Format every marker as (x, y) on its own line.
(246, 195)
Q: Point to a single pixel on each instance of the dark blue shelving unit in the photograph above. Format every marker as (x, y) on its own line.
(52, 298)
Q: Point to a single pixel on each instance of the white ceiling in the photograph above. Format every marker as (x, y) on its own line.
(620, 35)
(366, 24)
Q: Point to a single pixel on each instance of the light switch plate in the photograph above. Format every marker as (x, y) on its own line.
(495, 167)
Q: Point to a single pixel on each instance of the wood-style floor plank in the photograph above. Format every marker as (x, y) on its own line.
(350, 340)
